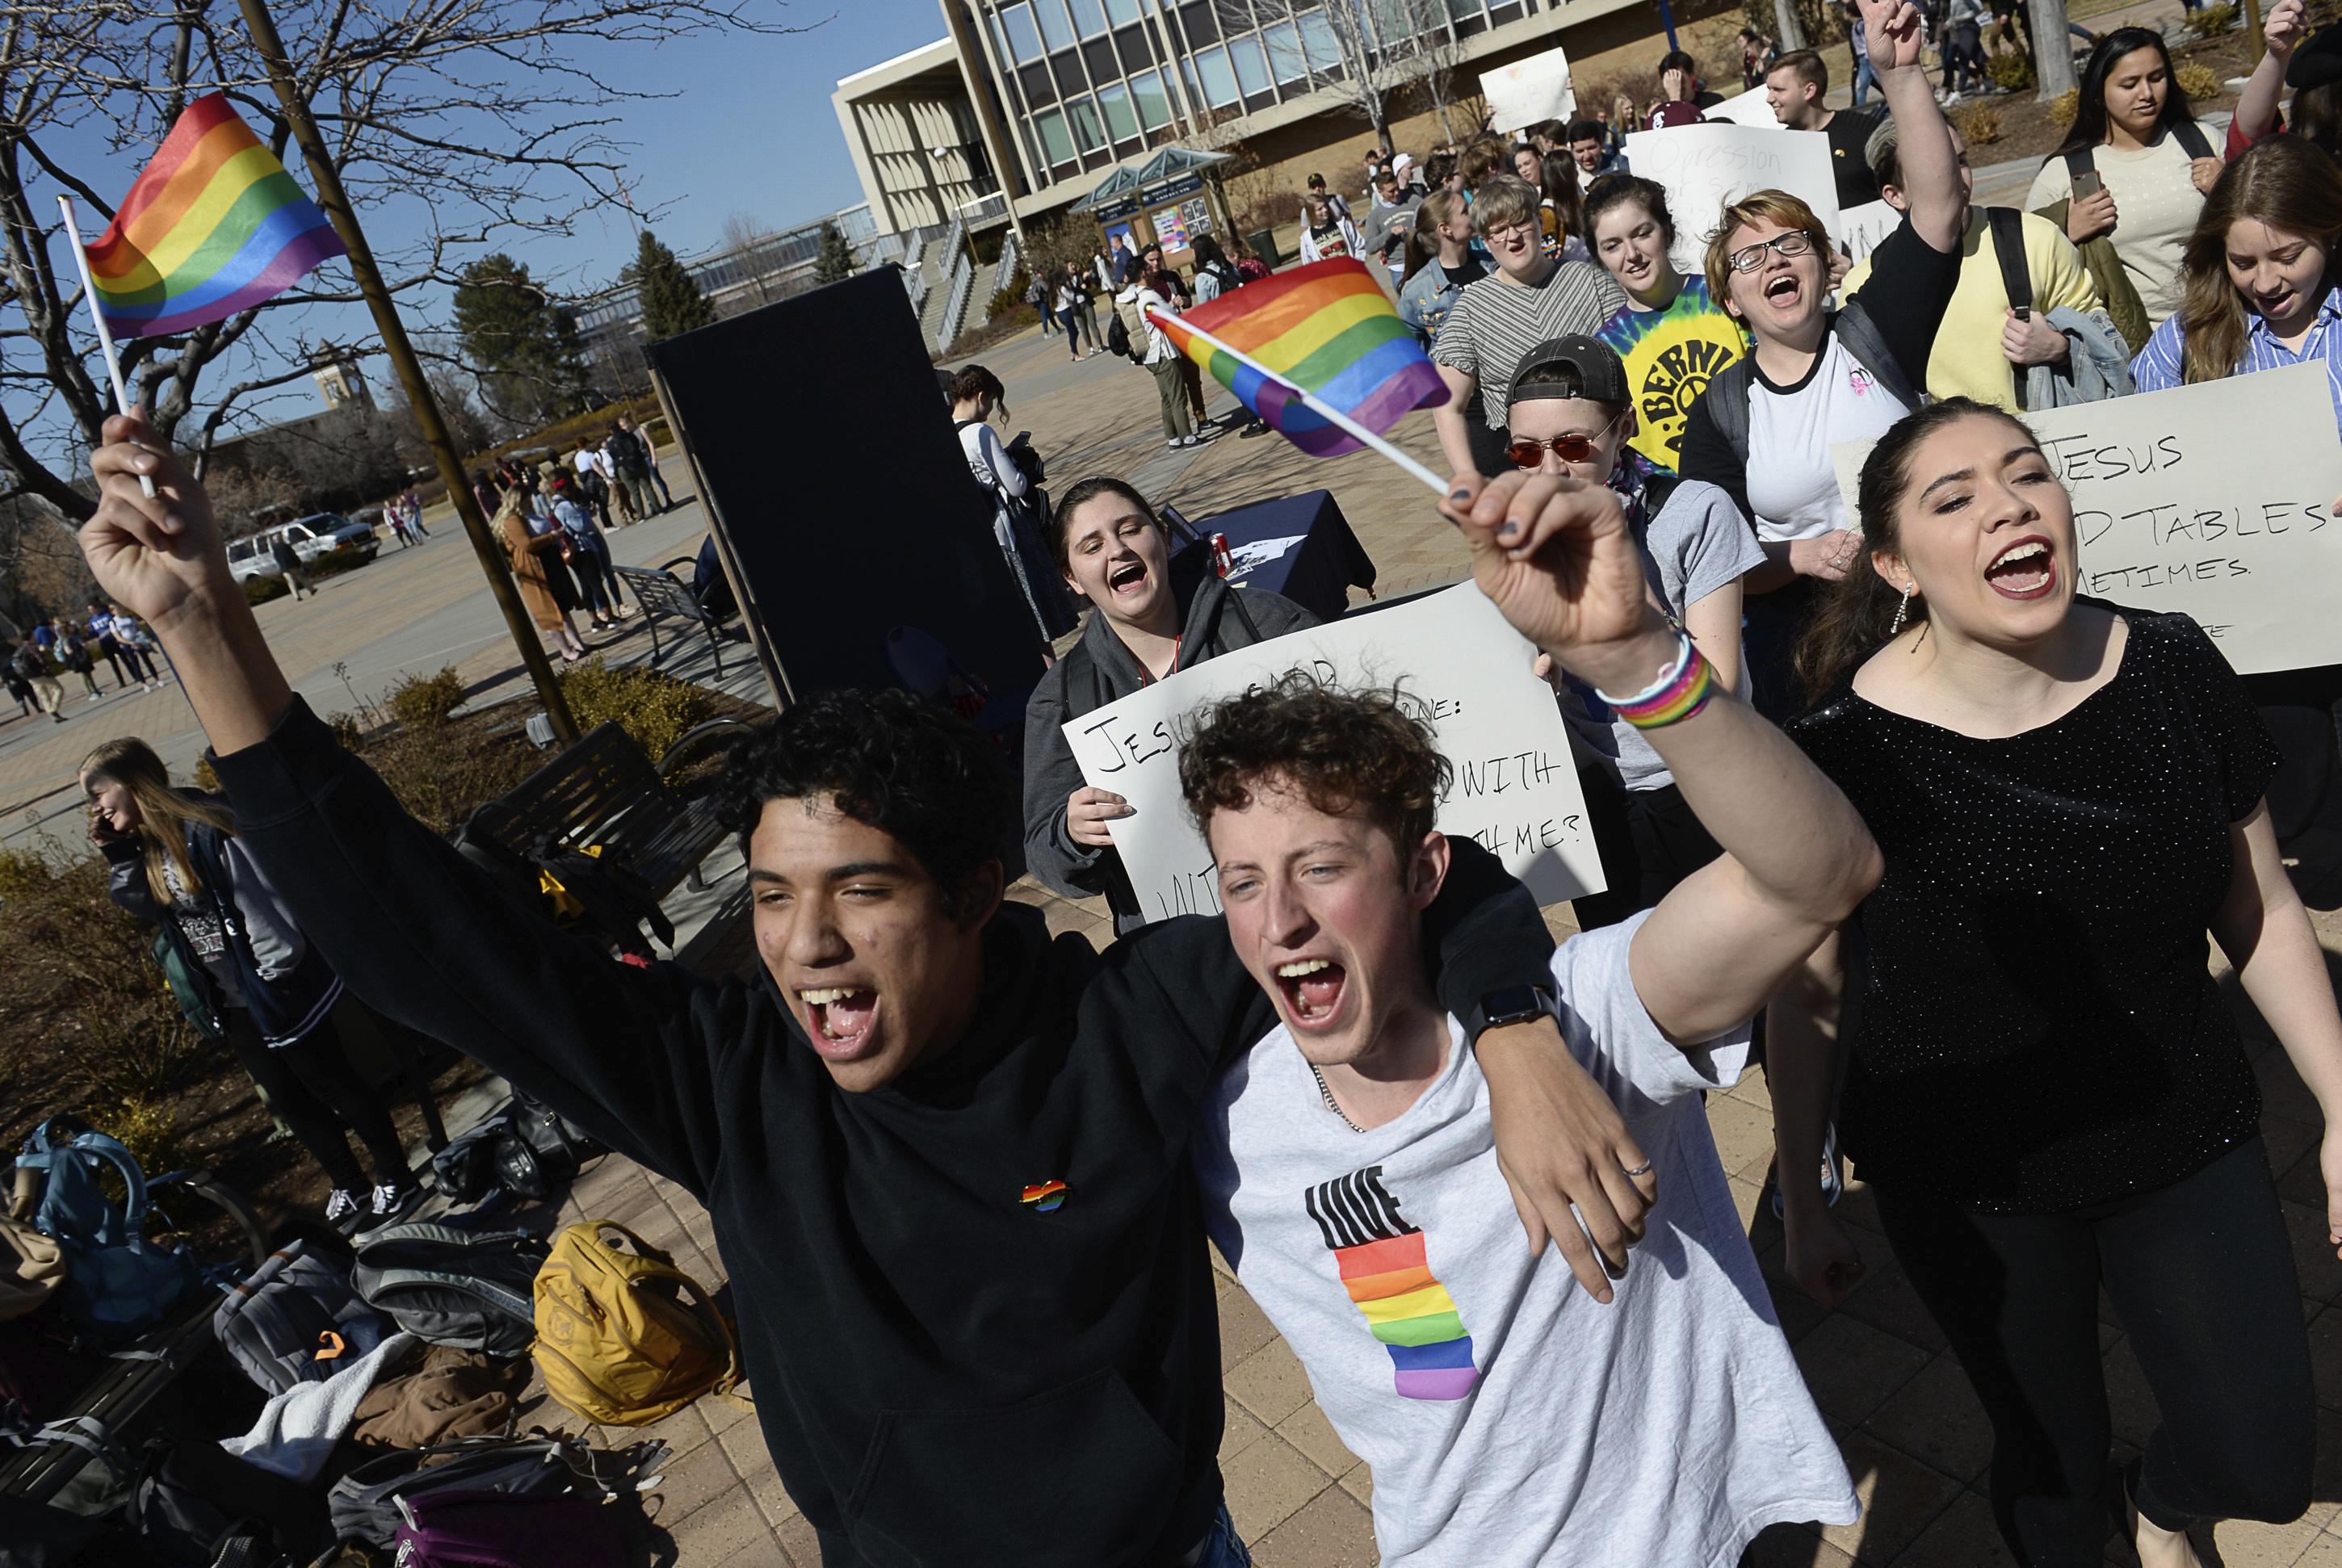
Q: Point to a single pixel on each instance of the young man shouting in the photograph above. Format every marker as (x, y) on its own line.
(945, 1154)
(1350, 1173)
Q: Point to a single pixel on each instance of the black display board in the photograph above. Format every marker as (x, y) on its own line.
(840, 496)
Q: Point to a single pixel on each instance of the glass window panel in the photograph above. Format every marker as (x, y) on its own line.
(1055, 30)
(1090, 132)
(1284, 56)
(1089, 17)
(1120, 118)
(1252, 64)
(1122, 11)
(1022, 37)
(1153, 103)
(999, 40)
(1317, 39)
(1219, 81)
(1054, 139)
(1187, 75)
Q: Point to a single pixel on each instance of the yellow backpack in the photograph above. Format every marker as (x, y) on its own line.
(626, 1338)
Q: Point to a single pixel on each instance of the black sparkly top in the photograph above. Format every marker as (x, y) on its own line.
(2037, 1027)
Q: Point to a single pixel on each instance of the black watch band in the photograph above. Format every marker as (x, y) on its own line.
(1511, 1004)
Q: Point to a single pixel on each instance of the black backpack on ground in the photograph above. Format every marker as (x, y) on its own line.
(526, 1148)
(364, 1504)
(196, 1505)
(469, 1289)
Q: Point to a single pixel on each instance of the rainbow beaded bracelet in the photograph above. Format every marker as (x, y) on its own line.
(1681, 690)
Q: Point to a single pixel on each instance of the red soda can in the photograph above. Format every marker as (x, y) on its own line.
(1222, 562)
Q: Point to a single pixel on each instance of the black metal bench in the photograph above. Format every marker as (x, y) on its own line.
(660, 593)
(601, 792)
(106, 1408)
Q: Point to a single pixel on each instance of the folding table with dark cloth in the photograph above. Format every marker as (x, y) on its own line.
(1300, 546)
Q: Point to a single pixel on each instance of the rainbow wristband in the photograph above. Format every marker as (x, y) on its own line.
(1682, 689)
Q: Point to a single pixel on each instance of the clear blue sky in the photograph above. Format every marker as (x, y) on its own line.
(752, 132)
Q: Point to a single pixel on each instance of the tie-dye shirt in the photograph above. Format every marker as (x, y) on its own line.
(1508, 1416)
(1670, 356)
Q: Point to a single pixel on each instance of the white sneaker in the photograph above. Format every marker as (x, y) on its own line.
(340, 1206)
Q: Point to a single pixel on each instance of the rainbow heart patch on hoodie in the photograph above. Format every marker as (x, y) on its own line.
(1046, 1196)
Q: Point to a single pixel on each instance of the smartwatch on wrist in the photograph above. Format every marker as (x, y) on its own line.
(1510, 1004)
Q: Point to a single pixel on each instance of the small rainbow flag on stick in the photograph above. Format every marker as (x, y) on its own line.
(214, 226)
(1319, 354)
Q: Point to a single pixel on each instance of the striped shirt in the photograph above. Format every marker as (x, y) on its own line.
(1496, 322)
(2160, 363)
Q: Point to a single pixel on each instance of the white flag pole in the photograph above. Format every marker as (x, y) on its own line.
(1333, 415)
(105, 337)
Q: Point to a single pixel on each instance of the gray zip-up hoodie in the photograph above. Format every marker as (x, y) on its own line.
(1050, 771)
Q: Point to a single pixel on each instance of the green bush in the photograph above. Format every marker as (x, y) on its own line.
(2062, 108)
(1009, 296)
(1979, 125)
(148, 1128)
(419, 702)
(2198, 81)
(653, 708)
(24, 874)
(2011, 73)
(2211, 21)
(260, 590)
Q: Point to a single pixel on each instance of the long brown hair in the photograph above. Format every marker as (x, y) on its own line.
(1857, 613)
(1561, 188)
(163, 813)
(2286, 183)
(1423, 236)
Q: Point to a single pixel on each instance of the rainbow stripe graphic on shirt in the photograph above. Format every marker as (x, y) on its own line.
(1384, 1267)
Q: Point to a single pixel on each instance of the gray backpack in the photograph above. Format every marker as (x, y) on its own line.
(296, 1320)
(468, 1289)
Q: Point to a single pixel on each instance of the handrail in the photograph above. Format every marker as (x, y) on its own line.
(963, 282)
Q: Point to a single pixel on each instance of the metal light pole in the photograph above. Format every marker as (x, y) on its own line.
(336, 204)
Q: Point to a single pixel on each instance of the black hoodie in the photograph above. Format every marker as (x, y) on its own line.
(947, 1375)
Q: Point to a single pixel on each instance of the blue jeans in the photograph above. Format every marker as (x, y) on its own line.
(1222, 1548)
(1865, 78)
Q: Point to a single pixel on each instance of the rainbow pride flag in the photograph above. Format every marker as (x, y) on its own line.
(214, 226)
(1413, 1316)
(1326, 329)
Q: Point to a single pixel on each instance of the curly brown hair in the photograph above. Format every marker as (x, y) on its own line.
(1344, 750)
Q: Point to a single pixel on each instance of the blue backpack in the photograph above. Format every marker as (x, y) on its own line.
(118, 1284)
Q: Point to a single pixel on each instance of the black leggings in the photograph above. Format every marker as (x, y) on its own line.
(312, 1086)
(2202, 1278)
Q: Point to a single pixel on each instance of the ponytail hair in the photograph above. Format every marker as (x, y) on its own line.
(1857, 613)
(1423, 236)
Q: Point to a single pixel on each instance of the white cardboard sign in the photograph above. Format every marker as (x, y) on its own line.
(1706, 166)
(2213, 499)
(1527, 91)
(1861, 229)
(1750, 108)
(1452, 655)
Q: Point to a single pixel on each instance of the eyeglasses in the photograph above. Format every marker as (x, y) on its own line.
(1527, 454)
(1749, 258)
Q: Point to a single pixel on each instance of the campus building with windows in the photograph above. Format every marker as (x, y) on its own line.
(1034, 102)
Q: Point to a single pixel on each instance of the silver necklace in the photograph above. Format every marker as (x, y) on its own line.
(1330, 1104)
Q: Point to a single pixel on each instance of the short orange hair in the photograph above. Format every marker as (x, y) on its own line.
(1779, 208)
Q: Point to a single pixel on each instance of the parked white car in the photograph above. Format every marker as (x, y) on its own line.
(312, 537)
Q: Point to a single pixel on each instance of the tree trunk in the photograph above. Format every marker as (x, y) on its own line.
(1792, 31)
(2053, 48)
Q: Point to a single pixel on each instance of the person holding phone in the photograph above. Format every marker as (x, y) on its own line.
(2133, 169)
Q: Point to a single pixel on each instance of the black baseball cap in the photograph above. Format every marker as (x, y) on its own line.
(2317, 62)
(1571, 366)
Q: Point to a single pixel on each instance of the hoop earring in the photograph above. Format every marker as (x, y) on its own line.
(1902, 611)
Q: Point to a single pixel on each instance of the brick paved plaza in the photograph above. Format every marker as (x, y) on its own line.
(1912, 1435)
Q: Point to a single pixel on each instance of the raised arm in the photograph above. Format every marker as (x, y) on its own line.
(2256, 114)
(416, 930)
(1931, 172)
(1557, 557)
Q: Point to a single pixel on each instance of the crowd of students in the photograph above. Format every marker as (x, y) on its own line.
(1959, 834)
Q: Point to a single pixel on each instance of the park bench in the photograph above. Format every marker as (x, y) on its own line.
(104, 1414)
(660, 594)
(603, 794)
